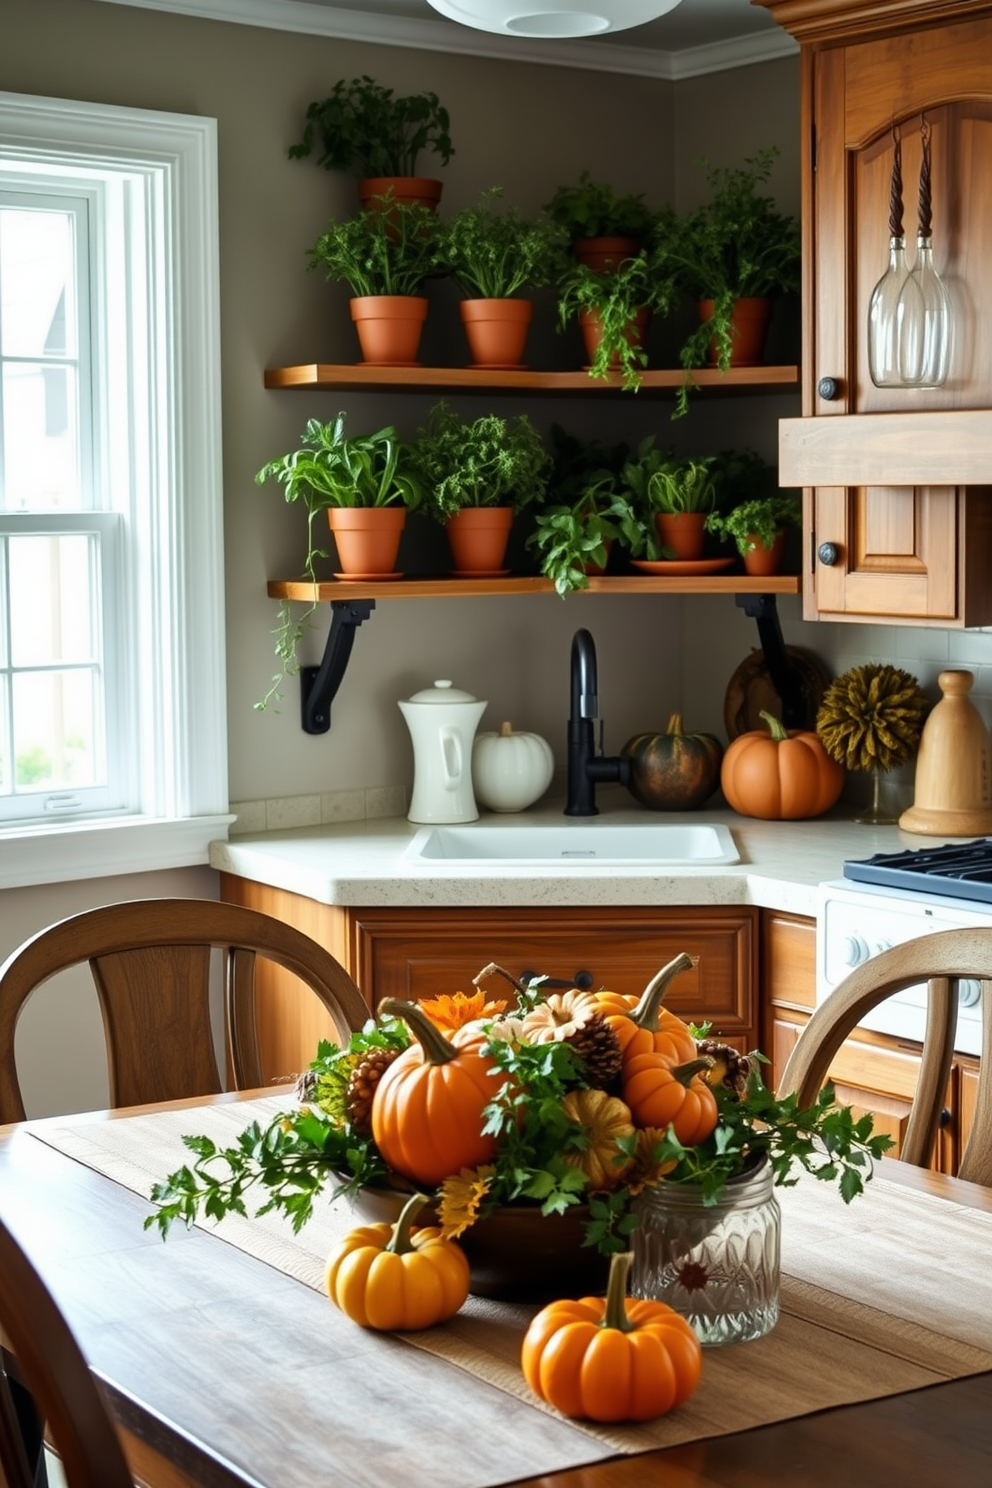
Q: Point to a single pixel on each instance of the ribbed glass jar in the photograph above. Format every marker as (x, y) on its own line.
(716, 1264)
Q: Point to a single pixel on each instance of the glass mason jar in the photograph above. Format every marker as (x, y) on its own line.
(716, 1264)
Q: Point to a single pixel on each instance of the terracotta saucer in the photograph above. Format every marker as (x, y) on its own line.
(677, 567)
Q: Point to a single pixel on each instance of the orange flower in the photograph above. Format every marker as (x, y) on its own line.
(449, 1013)
(460, 1197)
(645, 1170)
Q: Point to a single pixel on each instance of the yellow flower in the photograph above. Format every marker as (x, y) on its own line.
(459, 1199)
(449, 1013)
(645, 1171)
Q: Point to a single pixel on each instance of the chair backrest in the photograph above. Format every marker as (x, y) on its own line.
(940, 960)
(50, 1364)
(150, 960)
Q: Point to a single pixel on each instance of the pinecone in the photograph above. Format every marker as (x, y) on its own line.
(362, 1086)
(305, 1086)
(731, 1069)
(599, 1048)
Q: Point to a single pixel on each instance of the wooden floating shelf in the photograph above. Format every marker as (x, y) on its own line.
(317, 375)
(431, 588)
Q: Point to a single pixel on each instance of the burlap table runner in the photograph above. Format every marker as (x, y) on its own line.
(888, 1294)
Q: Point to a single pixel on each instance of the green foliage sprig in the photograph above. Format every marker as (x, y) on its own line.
(762, 520)
(496, 255)
(488, 461)
(387, 252)
(567, 538)
(593, 209)
(363, 128)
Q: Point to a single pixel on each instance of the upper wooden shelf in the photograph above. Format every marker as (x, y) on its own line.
(434, 588)
(354, 377)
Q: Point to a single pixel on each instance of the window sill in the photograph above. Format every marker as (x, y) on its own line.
(61, 852)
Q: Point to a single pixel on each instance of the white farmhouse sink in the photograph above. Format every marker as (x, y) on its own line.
(577, 842)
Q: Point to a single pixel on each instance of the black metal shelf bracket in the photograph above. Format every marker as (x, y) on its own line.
(784, 676)
(319, 684)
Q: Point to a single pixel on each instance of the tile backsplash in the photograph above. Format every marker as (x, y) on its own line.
(319, 810)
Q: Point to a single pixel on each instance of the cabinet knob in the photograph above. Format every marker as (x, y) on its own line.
(828, 553)
(944, 1119)
(583, 980)
(828, 388)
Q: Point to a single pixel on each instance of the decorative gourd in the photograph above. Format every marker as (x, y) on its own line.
(663, 1094)
(392, 1277)
(510, 771)
(780, 775)
(427, 1108)
(673, 771)
(558, 1016)
(648, 1027)
(606, 1121)
(612, 1358)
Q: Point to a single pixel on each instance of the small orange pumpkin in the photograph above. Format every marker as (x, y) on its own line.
(650, 1028)
(611, 1358)
(393, 1277)
(428, 1104)
(662, 1094)
(780, 775)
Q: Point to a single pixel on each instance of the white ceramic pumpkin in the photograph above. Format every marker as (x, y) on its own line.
(510, 771)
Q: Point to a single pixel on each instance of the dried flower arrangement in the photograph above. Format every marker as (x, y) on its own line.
(871, 718)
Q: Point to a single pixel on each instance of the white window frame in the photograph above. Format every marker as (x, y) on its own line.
(173, 574)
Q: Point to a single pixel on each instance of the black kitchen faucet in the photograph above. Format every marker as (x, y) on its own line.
(585, 766)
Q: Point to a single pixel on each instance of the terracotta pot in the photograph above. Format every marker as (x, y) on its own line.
(683, 532)
(761, 561)
(389, 328)
(405, 189)
(604, 254)
(516, 1254)
(496, 331)
(367, 538)
(478, 536)
(590, 324)
(750, 327)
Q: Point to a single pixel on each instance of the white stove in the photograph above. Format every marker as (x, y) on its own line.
(857, 920)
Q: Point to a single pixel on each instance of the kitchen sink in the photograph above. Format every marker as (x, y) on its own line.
(578, 842)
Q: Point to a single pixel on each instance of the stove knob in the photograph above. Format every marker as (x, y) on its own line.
(969, 992)
(880, 946)
(855, 950)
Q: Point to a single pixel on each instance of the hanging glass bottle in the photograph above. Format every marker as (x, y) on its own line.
(925, 308)
(886, 307)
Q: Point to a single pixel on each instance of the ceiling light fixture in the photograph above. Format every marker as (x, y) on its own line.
(553, 18)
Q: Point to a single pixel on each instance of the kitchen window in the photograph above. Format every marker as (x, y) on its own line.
(112, 718)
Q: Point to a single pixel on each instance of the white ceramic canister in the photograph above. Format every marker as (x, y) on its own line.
(442, 721)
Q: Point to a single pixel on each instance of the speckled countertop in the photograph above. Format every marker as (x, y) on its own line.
(364, 863)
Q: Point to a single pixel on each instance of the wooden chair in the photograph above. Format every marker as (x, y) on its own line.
(51, 1365)
(940, 960)
(150, 960)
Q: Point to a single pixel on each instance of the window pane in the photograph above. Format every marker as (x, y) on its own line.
(51, 587)
(37, 312)
(55, 743)
(41, 438)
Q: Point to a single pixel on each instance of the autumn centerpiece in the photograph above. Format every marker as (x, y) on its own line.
(541, 1120)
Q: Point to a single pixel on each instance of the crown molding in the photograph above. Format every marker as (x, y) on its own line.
(446, 36)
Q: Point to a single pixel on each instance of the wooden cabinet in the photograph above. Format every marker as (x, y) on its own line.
(415, 953)
(897, 502)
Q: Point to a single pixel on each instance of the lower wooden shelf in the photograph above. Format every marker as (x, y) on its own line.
(436, 588)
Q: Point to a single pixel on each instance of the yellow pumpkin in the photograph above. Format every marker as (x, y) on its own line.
(394, 1278)
(605, 1120)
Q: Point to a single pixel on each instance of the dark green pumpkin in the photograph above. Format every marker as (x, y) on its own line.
(673, 771)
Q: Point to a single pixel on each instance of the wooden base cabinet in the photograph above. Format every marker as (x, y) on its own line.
(417, 953)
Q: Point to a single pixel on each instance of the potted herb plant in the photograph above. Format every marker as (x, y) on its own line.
(603, 227)
(495, 257)
(574, 540)
(364, 129)
(671, 497)
(384, 261)
(476, 474)
(759, 527)
(736, 252)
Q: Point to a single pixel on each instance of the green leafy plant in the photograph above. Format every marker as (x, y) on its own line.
(683, 485)
(762, 520)
(488, 461)
(567, 538)
(736, 245)
(614, 300)
(593, 209)
(332, 469)
(493, 255)
(364, 129)
(379, 253)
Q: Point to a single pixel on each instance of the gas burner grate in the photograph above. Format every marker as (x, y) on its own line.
(961, 870)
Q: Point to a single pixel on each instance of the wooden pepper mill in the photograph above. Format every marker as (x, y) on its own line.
(953, 796)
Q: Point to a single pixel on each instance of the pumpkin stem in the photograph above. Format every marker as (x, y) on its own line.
(494, 970)
(674, 724)
(685, 1073)
(505, 730)
(776, 728)
(615, 1315)
(437, 1049)
(400, 1242)
(645, 1014)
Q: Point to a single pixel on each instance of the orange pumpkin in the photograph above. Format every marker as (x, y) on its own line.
(427, 1108)
(780, 775)
(611, 1358)
(650, 1028)
(662, 1094)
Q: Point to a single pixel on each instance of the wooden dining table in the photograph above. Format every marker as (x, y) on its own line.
(225, 1370)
